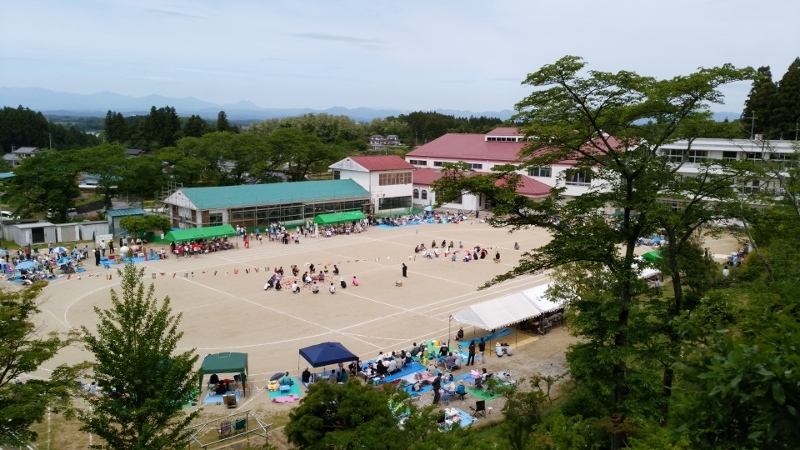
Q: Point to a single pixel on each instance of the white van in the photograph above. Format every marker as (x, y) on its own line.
(7, 215)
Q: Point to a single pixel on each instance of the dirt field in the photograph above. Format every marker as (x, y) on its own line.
(226, 309)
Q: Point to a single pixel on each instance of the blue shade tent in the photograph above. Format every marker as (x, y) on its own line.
(327, 353)
(26, 265)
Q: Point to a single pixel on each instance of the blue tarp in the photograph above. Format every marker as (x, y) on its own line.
(326, 354)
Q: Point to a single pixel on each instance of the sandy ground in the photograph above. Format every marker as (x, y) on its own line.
(225, 308)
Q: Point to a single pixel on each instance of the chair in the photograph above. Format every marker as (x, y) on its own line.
(461, 391)
(224, 429)
(480, 407)
(240, 425)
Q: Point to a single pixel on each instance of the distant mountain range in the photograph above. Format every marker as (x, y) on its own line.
(67, 104)
(97, 105)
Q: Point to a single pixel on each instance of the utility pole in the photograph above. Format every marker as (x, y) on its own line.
(51, 140)
(752, 125)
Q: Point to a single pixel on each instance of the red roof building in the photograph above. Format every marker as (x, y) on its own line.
(482, 152)
(381, 163)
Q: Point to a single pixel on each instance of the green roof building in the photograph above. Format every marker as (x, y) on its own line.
(258, 205)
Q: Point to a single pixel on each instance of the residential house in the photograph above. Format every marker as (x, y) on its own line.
(16, 156)
(378, 142)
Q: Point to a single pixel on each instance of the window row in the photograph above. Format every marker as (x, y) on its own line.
(578, 178)
(394, 203)
(387, 179)
(418, 162)
(540, 172)
(687, 156)
(423, 195)
(502, 139)
(476, 166)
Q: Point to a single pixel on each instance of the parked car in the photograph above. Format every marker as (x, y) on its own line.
(8, 215)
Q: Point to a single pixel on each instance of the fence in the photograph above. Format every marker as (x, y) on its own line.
(224, 430)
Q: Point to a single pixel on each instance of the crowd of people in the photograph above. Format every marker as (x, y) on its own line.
(197, 247)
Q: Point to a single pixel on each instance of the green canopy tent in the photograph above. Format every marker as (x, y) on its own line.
(652, 256)
(227, 362)
(347, 216)
(193, 234)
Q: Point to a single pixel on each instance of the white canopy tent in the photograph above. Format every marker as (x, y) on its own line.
(498, 313)
(539, 298)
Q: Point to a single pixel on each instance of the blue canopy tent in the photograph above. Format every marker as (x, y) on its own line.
(325, 354)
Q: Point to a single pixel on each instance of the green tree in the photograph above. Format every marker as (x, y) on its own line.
(196, 126)
(116, 129)
(759, 108)
(612, 125)
(787, 112)
(23, 349)
(359, 416)
(47, 181)
(134, 349)
(339, 130)
(160, 128)
(104, 161)
(743, 392)
(300, 152)
(21, 127)
(141, 177)
(223, 125)
(135, 226)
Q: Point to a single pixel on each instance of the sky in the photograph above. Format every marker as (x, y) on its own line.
(415, 55)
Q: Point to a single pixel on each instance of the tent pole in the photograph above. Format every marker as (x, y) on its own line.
(449, 321)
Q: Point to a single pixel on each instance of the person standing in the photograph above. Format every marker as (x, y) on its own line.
(437, 386)
(481, 348)
(405, 271)
(111, 246)
(96, 257)
(103, 249)
(471, 358)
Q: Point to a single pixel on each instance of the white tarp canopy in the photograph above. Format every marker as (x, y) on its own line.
(644, 268)
(539, 298)
(499, 312)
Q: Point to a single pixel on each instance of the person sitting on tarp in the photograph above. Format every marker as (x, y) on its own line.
(221, 388)
(306, 376)
(214, 379)
(460, 334)
(287, 380)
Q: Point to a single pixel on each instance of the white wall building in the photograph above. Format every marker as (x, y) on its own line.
(387, 178)
(482, 152)
(703, 150)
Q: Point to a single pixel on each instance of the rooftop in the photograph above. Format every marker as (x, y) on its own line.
(25, 150)
(125, 212)
(381, 163)
(222, 197)
(505, 131)
(468, 147)
(527, 186)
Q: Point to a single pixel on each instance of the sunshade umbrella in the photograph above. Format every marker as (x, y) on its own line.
(277, 376)
(429, 208)
(63, 260)
(26, 265)
(2, 252)
(60, 250)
